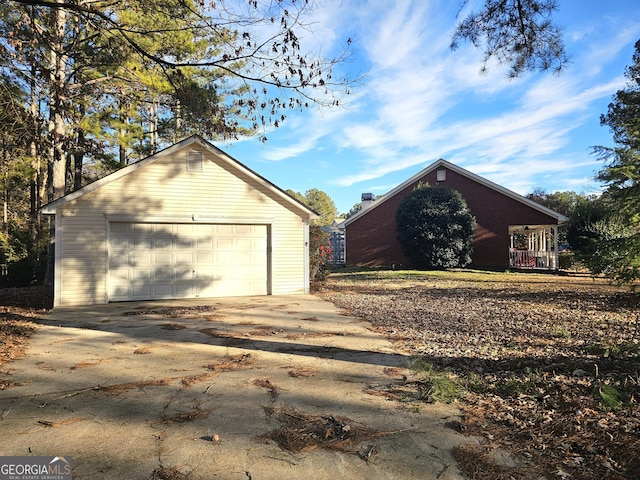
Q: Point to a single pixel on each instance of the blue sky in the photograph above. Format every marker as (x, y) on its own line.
(420, 101)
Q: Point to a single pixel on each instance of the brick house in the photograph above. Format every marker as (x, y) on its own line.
(511, 230)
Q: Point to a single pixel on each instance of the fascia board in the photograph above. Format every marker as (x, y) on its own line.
(271, 187)
(50, 209)
(466, 173)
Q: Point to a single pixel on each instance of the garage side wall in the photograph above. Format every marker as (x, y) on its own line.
(165, 191)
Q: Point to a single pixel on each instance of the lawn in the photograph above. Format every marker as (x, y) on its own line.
(545, 368)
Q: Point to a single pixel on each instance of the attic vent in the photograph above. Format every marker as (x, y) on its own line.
(441, 175)
(194, 162)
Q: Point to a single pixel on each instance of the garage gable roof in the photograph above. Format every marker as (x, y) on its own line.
(466, 173)
(275, 191)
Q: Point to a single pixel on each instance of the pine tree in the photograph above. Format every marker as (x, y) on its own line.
(618, 249)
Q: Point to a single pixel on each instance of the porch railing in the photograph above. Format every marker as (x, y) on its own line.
(532, 259)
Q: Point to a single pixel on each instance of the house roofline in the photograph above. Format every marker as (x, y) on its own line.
(50, 208)
(466, 173)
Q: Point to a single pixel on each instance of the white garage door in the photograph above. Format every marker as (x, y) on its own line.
(160, 261)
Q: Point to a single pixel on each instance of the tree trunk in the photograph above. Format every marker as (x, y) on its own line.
(124, 121)
(56, 162)
(78, 158)
(57, 79)
(33, 153)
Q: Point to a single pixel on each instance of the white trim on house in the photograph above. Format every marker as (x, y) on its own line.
(196, 266)
(307, 267)
(57, 265)
(225, 192)
(472, 176)
(194, 218)
(50, 209)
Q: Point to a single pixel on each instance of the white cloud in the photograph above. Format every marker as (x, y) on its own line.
(421, 101)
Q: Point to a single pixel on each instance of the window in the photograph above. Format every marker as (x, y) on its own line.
(441, 175)
(194, 162)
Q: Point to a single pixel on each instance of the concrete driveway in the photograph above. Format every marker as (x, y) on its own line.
(275, 387)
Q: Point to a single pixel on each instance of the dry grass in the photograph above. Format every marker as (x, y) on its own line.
(192, 416)
(125, 387)
(233, 362)
(142, 351)
(225, 364)
(274, 392)
(62, 423)
(169, 473)
(301, 432)
(172, 326)
(89, 363)
(172, 312)
(20, 308)
(551, 364)
(304, 372)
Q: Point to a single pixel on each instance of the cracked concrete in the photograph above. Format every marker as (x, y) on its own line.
(179, 389)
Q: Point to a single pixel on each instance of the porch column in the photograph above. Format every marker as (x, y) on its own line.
(556, 255)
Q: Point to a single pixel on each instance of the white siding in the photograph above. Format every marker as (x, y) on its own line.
(165, 191)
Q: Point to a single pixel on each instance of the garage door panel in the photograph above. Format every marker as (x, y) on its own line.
(204, 258)
(163, 243)
(222, 244)
(181, 243)
(163, 291)
(141, 228)
(163, 258)
(163, 274)
(117, 228)
(138, 274)
(184, 290)
(224, 230)
(183, 273)
(120, 290)
(204, 243)
(187, 259)
(142, 290)
(148, 261)
(141, 259)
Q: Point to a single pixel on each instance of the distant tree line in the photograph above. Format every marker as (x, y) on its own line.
(87, 87)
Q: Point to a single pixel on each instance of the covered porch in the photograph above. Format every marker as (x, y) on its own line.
(533, 247)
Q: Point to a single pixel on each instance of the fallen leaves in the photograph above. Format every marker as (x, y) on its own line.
(171, 312)
(14, 335)
(302, 432)
(551, 364)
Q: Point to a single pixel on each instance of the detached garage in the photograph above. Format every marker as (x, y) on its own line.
(187, 222)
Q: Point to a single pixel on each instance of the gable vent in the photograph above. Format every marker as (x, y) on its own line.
(194, 162)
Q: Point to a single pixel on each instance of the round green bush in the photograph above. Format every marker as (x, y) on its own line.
(435, 228)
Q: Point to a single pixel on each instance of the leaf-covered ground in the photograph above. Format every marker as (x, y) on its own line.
(19, 308)
(551, 364)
